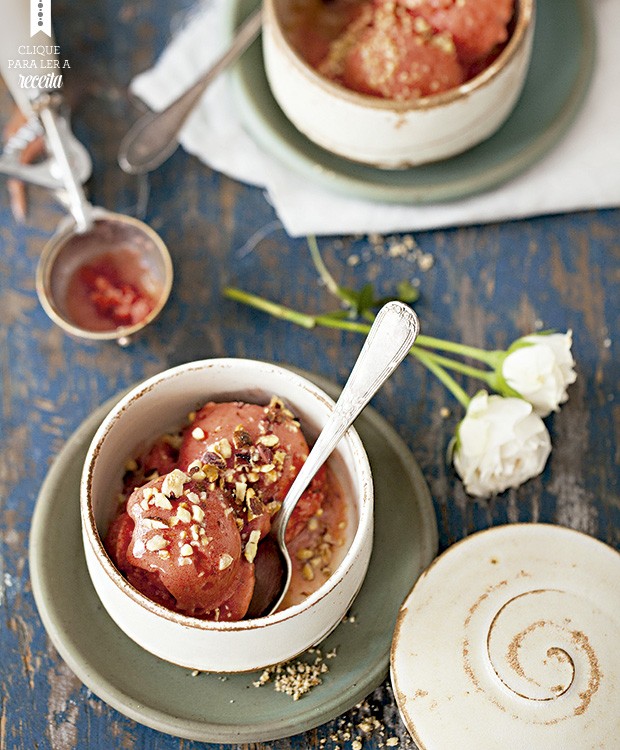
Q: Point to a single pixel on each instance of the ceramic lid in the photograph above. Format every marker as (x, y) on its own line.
(511, 639)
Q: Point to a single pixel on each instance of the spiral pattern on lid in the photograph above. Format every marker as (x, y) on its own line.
(511, 639)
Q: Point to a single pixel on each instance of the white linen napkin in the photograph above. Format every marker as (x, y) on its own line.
(581, 172)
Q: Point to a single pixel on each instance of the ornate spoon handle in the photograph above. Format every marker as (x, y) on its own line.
(153, 138)
(391, 337)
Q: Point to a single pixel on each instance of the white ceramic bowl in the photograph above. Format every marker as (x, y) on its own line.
(161, 404)
(390, 134)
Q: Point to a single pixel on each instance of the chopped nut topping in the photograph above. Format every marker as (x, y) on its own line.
(278, 457)
(154, 523)
(184, 515)
(161, 501)
(273, 507)
(198, 433)
(240, 490)
(307, 572)
(271, 476)
(226, 561)
(149, 493)
(198, 513)
(269, 440)
(222, 447)
(174, 482)
(304, 553)
(313, 524)
(187, 550)
(211, 472)
(131, 465)
(156, 542)
(252, 545)
(164, 554)
(295, 678)
(241, 437)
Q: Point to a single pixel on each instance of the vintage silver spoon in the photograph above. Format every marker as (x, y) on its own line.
(153, 138)
(391, 337)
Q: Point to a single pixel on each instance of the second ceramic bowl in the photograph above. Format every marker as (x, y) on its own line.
(390, 134)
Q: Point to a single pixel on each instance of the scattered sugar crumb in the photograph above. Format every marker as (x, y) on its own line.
(402, 247)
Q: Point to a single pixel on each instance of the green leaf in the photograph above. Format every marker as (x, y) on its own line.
(407, 292)
(366, 299)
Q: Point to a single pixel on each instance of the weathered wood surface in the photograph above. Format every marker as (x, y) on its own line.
(487, 286)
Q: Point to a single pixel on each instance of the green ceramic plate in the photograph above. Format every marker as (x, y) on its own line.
(559, 76)
(210, 707)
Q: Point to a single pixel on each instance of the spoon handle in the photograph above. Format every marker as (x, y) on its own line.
(153, 138)
(391, 337)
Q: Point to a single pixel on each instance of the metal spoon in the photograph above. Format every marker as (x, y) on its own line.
(153, 138)
(391, 337)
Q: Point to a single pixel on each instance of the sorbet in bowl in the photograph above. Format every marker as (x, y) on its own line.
(396, 83)
(197, 506)
(179, 489)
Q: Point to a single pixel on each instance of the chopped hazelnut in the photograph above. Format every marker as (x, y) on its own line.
(156, 542)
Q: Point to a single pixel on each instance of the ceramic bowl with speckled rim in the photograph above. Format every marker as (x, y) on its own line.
(392, 134)
(160, 404)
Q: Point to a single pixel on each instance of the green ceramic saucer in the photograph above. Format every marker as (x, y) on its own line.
(216, 708)
(558, 79)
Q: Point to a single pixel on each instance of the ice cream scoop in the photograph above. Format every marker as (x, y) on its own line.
(391, 337)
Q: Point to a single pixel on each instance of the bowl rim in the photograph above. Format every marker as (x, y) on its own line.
(91, 534)
(525, 13)
(48, 258)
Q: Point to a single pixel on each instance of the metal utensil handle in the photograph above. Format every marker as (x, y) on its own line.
(78, 205)
(153, 138)
(391, 337)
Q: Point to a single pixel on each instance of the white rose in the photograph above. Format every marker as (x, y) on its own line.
(500, 443)
(541, 370)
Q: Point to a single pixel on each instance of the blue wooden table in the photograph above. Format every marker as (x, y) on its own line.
(486, 286)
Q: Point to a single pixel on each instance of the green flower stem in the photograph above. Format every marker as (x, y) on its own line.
(489, 358)
(488, 376)
(273, 308)
(321, 268)
(293, 316)
(428, 361)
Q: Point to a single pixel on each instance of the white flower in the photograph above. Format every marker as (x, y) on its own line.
(540, 368)
(500, 443)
